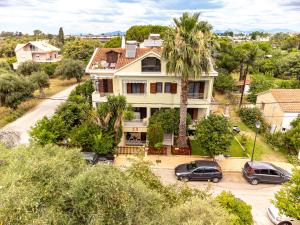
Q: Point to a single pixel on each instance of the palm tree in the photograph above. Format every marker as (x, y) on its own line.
(110, 114)
(186, 50)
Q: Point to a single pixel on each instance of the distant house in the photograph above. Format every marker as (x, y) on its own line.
(240, 85)
(279, 107)
(37, 51)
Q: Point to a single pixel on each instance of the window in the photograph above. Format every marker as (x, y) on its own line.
(151, 64)
(104, 86)
(196, 89)
(210, 171)
(153, 110)
(263, 172)
(135, 88)
(274, 173)
(191, 166)
(263, 106)
(167, 87)
(159, 87)
(198, 171)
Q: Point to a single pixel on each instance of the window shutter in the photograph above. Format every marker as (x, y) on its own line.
(101, 87)
(202, 86)
(152, 88)
(195, 114)
(110, 86)
(129, 88)
(142, 88)
(173, 88)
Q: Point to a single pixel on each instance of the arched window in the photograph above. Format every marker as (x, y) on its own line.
(151, 64)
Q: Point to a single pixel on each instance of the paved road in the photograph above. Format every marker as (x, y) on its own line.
(46, 108)
(258, 196)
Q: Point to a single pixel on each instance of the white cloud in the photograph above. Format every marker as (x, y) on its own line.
(97, 16)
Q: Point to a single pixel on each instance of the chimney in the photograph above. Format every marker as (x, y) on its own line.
(130, 49)
(123, 45)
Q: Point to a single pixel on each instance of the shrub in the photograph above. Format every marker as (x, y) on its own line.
(250, 116)
(85, 90)
(5, 65)
(70, 68)
(155, 134)
(259, 84)
(237, 207)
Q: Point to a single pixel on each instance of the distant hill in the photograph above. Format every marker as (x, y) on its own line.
(276, 30)
(115, 33)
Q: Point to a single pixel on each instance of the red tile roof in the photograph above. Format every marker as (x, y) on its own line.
(288, 99)
(122, 60)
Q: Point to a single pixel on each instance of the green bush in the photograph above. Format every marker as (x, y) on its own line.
(85, 90)
(250, 116)
(155, 134)
(237, 207)
(224, 83)
(259, 84)
(5, 65)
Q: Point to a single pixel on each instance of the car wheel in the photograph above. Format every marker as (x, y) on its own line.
(254, 182)
(285, 223)
(215, 180)
(184, 179)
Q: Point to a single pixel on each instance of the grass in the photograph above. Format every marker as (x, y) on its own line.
(8, 115)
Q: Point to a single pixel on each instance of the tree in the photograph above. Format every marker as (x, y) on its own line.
(61, 36)
(80, 49)
(289, 66)
(27, 68)
(70, 68)
(287, 198)
(214, 134)
(258, 85)
(49, 68)
(37, 33)
(237, 207)
(41, 80)
(114, 42)
(54, 185)
(141, 32)
(111, 113)
(84, 90)
(187, 54)
(224, 83)
(14, 89)
(292, 136)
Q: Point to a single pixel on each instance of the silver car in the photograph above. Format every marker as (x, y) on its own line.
(279, 219)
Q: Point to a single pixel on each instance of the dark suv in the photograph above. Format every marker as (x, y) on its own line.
(263, 172)
(199, 170)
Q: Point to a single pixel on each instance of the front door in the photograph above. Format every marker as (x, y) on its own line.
(197, 174)
(275, 177)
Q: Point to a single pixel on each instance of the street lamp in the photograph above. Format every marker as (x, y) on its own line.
(257, 125)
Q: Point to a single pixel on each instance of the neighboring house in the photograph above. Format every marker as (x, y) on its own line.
(240, 85)
(279, 107)
(37, 51)
(140, 75)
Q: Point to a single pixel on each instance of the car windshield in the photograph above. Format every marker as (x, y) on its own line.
(191, 166)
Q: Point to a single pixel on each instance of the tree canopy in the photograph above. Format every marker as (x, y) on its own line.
(70, 68)
(214, 134)
(54, 185)
(141, 32)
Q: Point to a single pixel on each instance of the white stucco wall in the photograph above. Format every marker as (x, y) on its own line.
(287, 119)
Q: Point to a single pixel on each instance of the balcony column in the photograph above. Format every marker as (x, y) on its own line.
(148, 113)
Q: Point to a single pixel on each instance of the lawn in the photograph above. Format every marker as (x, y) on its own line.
(8, 115)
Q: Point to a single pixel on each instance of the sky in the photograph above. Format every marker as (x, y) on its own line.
(99, 16)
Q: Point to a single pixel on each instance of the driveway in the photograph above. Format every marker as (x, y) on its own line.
(46, 108)
(258, 196)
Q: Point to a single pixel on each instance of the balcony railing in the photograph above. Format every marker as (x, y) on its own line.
(136, 123)
(135, 142)
(196, 95)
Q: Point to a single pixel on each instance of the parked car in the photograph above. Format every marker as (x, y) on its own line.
(263, 172)
(279, 219)
(236, 129)
(199, 170)
(90, 157)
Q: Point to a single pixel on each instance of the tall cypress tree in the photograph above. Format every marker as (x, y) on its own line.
(61, 35)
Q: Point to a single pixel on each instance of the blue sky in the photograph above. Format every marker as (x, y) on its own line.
(98, 16)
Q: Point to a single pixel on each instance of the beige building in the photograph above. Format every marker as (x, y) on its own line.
(140, 75)
(279, 107)
(37, 51)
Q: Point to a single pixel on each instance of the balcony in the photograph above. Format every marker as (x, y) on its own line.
(196, 95)
(136, 123)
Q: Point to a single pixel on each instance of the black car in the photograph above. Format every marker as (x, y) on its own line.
(199, 170)
(263, 172)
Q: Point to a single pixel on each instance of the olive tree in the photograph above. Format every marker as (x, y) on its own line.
(41, 80)
(14, 89)
(70, 68)
(26, 68)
